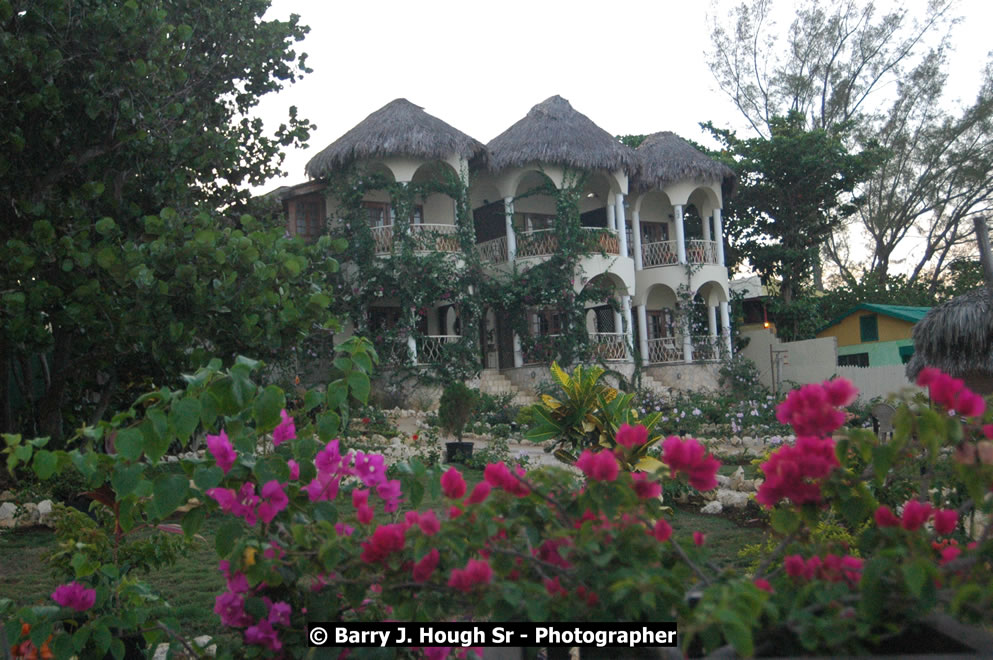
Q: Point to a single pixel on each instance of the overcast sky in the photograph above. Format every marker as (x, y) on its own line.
(630, 66)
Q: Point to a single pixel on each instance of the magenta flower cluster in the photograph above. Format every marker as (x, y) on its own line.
(74, 595)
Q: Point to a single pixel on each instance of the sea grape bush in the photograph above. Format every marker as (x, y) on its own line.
(314, 530)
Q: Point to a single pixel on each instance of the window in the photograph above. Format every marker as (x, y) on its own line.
(869, 327)
(533, 221)
(660, 323)
(309, 216)
(906, 352)
(854, 360)
(382, 214)
(548, 322)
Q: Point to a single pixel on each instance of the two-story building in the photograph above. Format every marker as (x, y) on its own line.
(654, 214)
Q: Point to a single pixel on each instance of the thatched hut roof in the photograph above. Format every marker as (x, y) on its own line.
(553, 132)
(399, 128)
(957, 337)
(666, 158)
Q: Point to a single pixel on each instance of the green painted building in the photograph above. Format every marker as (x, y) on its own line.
(871, 335)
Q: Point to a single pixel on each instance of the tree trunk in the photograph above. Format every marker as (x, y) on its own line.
(51, 404)
(6, 365)
(985, 253)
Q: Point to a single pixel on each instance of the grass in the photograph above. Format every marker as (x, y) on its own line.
(192, 583)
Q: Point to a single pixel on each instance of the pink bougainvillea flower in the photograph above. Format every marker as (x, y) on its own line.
(223, 452)
(328, 460)
(436, 652)
(951, 392)
(988, 431)
(948, 554)
(341, 529)
(479, 493)
(915, 514)
(364, 514)
(279, 613)
(75, 596)
(795, 566)
(631, 436)
(230, 607)
(764, 585)
(294, 469)
(275, 500)
(945, 521)
(274, 551)
(385, 540)
(662, 530)
(285, 430)
(360, 497)
(885, 517)
(454, 512)
(645, 487)
(477, 571)
(599, 466)
(499, 475)
(263, 634)
(324, 487)
(690, 457)
(452, 484)
(796, 471)
(429, 524)
(370, 468)
(390, 492)
(699, 538)
(812, 410)
(425, 567)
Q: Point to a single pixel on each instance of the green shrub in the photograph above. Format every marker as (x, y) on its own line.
(456, 407)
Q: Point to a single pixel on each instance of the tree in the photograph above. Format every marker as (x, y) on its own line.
(125, 150)
(791, 196)
(834, 65)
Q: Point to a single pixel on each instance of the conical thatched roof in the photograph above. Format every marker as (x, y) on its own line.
(957, 337)
(667, 158)
(554, 133)
(399, 128)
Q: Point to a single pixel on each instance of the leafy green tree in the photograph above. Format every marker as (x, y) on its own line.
(883, 73)
(794, 189)
(126, 148)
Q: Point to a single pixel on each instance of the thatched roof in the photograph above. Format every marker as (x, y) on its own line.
(554, 133)
(957, 337)
(666, 158)
(399, 128)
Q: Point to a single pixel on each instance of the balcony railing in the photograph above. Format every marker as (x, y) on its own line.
(606, 240)
(706, 348)
(665, 253)
(537, 243)
(665, 349)
(430, 350)
(426, 237)
(701, 252)
(609, 346)
(494, 251)
(662, 253)
(543, 350)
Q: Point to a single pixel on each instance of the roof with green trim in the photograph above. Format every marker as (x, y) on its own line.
(902, 312)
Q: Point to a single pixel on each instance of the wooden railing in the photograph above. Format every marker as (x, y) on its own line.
(430, 350)
(537, 243)
(701, 252)
(494, 251)
(426, 237)
(609, 346)
(706, 348)
(665, 349)
(665, 253)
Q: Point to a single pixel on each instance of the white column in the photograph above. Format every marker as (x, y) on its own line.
(628, 326)
(518, 353)
(643, 332)
(611, 220)
(622, 225)
(680, 235)
(636, 236)
(618, 327)
(712, 320)
(508, 215)
(687, 339)
(719, 237)
(412, 349)
(726, 325)
(706, 228)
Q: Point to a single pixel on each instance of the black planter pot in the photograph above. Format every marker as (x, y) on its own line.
(456, 452)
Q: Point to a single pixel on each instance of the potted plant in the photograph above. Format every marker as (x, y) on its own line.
(454, 410)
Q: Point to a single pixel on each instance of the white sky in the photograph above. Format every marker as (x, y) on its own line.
(632, 66)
